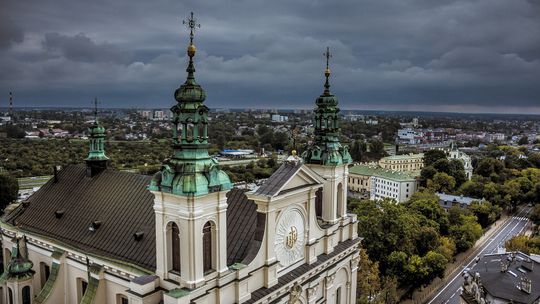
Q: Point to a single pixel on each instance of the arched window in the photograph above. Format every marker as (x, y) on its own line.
(26, 299)
(121, 299)
(10, 294)
(208, 247)
(339, 200)
(201, 132)
(174, 241)
(338, 295)
(190, 131)
(318, 202)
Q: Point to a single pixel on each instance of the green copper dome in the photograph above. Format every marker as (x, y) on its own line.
(97, 143)
(18, 267)
(190, 171)
(326, 148)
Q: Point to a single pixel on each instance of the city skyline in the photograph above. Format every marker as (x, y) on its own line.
(456, 56)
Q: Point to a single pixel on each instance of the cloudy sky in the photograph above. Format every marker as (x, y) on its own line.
(443, 55)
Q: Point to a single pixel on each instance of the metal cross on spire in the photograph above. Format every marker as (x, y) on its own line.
(328, 56)
(191, 23)
(95, 109)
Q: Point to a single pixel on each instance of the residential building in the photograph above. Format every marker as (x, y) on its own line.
(447, 201)
(382, 183)
(502, 278)
(410, 136)
(93, 234)
(279, 118)
(405, 162)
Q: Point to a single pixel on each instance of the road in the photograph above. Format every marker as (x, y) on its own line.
(450, 293)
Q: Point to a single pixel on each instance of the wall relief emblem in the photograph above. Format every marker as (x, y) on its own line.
(289, 243)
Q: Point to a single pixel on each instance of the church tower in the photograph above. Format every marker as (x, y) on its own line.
(327, 156)
(97, 160)
(18, 274)
(190, 192)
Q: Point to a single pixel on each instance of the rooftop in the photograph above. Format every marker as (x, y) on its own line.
(457, 198)
(372, 170)
(403, 156)
(506, 284)
(111, 215)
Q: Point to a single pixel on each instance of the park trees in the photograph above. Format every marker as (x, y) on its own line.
(415, 240)
(9, 189)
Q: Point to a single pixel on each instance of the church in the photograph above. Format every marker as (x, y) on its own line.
(93, 234)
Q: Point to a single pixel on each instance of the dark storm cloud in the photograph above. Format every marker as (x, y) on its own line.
(392, 54)
(81, 48)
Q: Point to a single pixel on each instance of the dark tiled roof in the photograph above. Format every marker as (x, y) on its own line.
(120, 201)
(277, 180)
(242, 223)
(503, 285)
(301, 270)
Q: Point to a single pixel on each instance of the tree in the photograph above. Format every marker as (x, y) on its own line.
(442, 182)
(466, 233)
(535, 215)
(488, 166)
(524, 140)
(376, 147)
(426, 174)
(368, 278)
(13, 131)
(9, 190)
(358, 150)
(485, 212)
(431, 156)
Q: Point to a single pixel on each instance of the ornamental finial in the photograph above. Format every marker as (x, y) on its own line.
(95, 110)
(327, 71)
(192, 24)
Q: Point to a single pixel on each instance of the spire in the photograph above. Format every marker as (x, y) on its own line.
(95, 110)
(190, 91)
(326, 148)
(96, 160)
(327, 71)
(190, 171)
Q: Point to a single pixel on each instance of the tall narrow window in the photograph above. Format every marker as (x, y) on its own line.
(10, 293)
(318, 202)
(338, 295)
(26, 299)
(175, 247)
(45, 272)
(190, 131)
(207, 247)
(339, 209)
(81, 288)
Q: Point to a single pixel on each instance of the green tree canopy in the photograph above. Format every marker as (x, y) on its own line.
(431, 156)
(9, 190)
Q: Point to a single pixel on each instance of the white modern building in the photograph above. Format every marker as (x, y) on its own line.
(382, 183)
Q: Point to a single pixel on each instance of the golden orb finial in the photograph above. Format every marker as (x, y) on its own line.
(327, 72)
(293, 152)
(191, 50)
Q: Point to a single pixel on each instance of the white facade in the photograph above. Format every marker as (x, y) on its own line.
(465, 159)
(385, 187)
